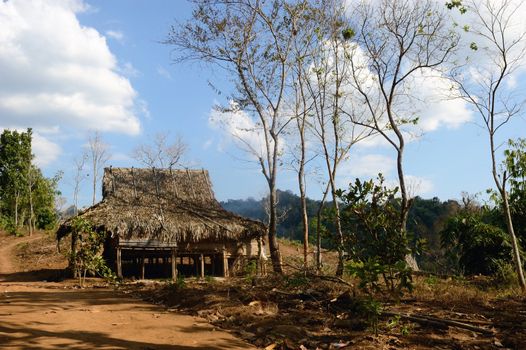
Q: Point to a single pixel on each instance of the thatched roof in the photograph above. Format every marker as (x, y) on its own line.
(164, 205)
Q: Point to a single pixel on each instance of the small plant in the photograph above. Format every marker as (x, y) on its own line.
(87, 257)
(250, 270)
(178, 284)
(505, 275)
(371, 310)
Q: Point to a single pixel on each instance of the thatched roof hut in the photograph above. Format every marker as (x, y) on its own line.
(164, 205)
(153, 215)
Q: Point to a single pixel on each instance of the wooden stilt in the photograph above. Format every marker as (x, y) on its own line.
(174, 264)
(143, 268)
(225, 264)
(202, 266)
(119, 262)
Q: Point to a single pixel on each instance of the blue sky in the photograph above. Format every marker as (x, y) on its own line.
(75, 66)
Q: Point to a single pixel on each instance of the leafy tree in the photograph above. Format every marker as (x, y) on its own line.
(44, 192)
(15, 165)
(26, 196)
(374, 241)
(515, 163)
(474, 246)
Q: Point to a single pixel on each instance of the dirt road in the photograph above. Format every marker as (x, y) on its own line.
(46, 315)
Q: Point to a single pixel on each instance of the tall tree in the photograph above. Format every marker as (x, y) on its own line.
(500, 51)
(251, 40)
(15, 167)
(98, 155)
(326, 83)
(396, 41)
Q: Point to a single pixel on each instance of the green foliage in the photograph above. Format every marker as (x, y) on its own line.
(348, 33)
(88, 258)
(474, 246)
(15, 165)
(371, 310)
(22, 186)
(504, 275)
(515, 164)
(457, 4)
(374, 241)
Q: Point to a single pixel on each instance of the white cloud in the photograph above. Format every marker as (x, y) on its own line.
(45, 151)
(57, 73)
(128, 70)
(239, 127)
(370, 165)
(365, 167)
(434, 104)
(115, 34)
(163, 72)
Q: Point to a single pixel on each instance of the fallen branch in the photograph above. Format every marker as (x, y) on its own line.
(439, 321)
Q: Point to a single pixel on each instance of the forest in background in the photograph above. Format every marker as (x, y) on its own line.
(459, 237)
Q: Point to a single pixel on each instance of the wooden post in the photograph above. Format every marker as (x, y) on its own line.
(119, 262)
(174, 264)
(143, 267)
(225, 264)
(202, 257)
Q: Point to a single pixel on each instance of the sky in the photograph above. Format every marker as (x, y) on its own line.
(69, 67)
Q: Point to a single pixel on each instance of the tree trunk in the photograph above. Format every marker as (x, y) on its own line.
(275, 255)
(94, 185)
(17, 196)
(318, 229)
(339, 232)
(72, 264)
(303, 197)
(305, 220)
(405, 205)
(31, 226)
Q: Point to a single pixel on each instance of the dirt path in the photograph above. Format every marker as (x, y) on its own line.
(7, 246)
(44, 315)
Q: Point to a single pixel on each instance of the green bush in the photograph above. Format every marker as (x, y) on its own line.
(473, 246)
(374, 241)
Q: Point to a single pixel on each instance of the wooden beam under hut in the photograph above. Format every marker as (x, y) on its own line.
(119, 262)
(174, 264)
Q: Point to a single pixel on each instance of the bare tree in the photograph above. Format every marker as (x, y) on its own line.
(500, 52)
(98, 155)
(326, 83)
(301, 109)
(78, 177)
(395, 42)
(251, 40)
(161, 153)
